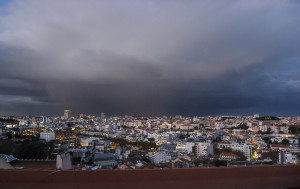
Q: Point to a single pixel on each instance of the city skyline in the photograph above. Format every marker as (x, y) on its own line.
(153, 58)
(149, 94)
(70, 114)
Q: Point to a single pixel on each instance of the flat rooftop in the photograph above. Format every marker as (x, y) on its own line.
(232, 177)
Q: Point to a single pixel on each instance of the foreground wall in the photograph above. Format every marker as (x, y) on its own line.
(238, 177)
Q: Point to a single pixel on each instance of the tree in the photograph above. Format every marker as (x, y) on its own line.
(9, 135)
(272, 154)
(267, 140)
(242, 126)
(32, 150)
(268, 131)
(181, 136)
(285, 141)
(293, 130)
(198, 162)
(131, 154)
(8, 147)
(219, 163)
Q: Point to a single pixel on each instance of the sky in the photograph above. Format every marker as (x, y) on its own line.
(194, 58)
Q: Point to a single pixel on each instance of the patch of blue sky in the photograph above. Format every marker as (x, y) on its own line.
(4, 6)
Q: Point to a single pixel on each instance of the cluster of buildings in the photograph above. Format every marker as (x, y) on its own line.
(136, 142)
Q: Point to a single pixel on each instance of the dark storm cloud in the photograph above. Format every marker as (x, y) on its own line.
(150, 57)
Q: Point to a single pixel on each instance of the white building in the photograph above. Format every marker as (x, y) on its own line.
(67, 114)
(160, 156)
(127, 152)
(118, 151)
(44, 119)
(184, 126)
(63, 161)
(287, 158)
(185, 147)
(246, 148)
(284, 129)
(47, 135)
(203, 149)
(294, 141)
(180, 147)
(23, 122)
(188, 146)
(263, 128)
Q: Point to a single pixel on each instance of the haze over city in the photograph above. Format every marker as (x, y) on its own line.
(150, 57)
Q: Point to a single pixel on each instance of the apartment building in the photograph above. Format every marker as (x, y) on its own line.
(245, 148)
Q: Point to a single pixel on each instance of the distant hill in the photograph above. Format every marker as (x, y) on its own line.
(223, 118)
(267, 118)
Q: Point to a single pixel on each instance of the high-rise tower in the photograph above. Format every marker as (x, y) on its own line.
(67, 114)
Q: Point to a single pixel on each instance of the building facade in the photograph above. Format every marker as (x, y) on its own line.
(245, 148)
(203, 149)
(47, 135)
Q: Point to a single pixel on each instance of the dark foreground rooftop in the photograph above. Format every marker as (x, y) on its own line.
(237, 177)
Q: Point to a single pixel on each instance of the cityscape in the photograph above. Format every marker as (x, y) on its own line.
(149, 94)
(85, 142)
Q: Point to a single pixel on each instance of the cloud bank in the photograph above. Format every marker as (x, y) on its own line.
(150, 57)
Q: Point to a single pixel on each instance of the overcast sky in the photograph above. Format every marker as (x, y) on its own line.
(150, 57)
